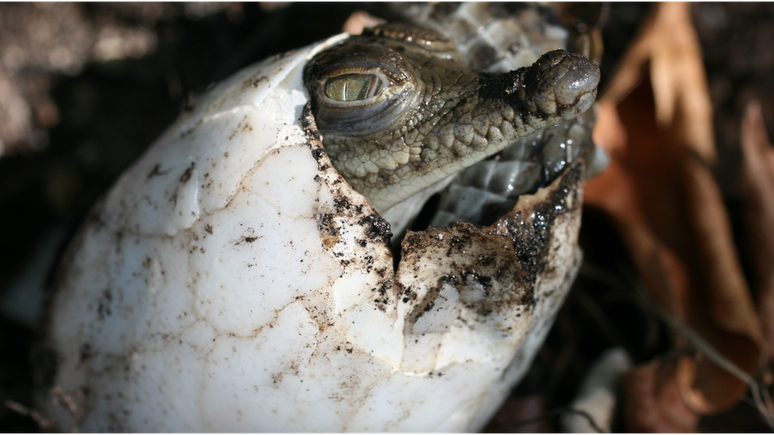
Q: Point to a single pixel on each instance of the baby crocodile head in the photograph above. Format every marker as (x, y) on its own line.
(399, 111)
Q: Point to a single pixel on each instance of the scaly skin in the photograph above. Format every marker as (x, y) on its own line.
(435, 117)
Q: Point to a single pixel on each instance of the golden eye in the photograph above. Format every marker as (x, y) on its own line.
(353, 87)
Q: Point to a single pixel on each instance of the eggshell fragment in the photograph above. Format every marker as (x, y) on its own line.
(232, 281)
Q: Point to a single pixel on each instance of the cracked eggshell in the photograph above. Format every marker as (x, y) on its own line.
(232, 281)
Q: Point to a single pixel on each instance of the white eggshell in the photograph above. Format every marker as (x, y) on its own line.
(232, 281)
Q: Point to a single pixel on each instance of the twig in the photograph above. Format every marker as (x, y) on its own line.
(759, 393)
(600, 318)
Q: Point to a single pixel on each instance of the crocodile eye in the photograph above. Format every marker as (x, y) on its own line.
(353, 87)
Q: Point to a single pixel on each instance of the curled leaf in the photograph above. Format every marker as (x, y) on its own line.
(653, 402)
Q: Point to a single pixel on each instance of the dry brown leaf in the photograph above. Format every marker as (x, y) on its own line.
(759, 212)
(656, 122)
(652, 401)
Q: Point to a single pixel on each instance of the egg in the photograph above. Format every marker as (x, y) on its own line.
(234, 280)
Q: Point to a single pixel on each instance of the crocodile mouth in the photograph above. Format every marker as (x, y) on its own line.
(486, 191)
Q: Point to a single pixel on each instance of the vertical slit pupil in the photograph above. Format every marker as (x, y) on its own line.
(352, 87)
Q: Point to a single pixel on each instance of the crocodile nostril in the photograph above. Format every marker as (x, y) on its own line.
(580, 77)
